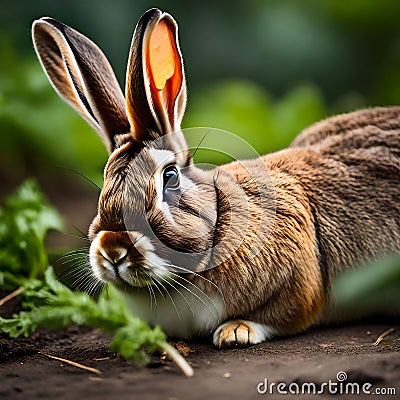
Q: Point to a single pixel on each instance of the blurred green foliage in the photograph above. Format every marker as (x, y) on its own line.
(25, 221)
(372, 289)
(339, 46)
(38, 130)
(262, 69)
(245, 109)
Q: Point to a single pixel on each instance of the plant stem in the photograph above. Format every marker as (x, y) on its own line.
(176, 357)
(15, 293)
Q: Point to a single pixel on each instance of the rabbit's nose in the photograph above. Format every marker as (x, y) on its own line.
(115, 256)
(113, 250)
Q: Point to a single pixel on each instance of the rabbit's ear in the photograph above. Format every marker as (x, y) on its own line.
(81, 75)
(155, 82)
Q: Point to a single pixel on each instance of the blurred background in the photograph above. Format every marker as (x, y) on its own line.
(262, 69)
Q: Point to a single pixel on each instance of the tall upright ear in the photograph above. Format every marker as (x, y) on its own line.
(81, 75)
(155, 82)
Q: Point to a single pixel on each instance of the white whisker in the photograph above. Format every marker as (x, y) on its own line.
(188, 271)
(168, 294)
(91, 288)
(183, 296)
(73, 253)
(72, 259)
(77, 265)
(194, 294)
(151, 291)
(77, 272)
(155, 282)
(215, 315)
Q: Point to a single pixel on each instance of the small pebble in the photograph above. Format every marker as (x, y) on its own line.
(95, 378)
(227, 375)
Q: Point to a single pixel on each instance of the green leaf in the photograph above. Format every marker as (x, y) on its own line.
(48, 303)
(24, 222)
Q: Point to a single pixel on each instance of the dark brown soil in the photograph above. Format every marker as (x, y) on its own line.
(314, 357)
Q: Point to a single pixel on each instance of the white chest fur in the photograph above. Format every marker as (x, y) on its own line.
(180, 312)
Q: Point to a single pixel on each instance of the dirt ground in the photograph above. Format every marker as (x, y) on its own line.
(313, 357)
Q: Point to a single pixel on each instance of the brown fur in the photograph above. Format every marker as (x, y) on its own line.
(337, 206)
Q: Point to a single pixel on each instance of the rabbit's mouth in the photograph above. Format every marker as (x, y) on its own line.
(125, 258)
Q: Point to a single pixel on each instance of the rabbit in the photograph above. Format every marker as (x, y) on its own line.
(246, 251)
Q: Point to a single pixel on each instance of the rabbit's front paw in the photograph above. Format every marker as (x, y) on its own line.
(241, 333)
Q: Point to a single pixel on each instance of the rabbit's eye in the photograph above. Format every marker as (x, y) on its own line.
(171, 178)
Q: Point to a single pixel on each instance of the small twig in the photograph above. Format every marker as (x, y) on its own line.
(383, 335)
(75, 364)
(10, 296)
(174, 355)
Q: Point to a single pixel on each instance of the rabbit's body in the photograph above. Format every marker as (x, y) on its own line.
(337, 192)
(254, 243)
(354, 190)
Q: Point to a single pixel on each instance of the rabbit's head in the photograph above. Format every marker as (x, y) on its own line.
(156, 210)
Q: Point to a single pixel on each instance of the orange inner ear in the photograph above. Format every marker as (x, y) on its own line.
(161, 55)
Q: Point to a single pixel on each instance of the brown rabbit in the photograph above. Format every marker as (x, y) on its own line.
(247, 250)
